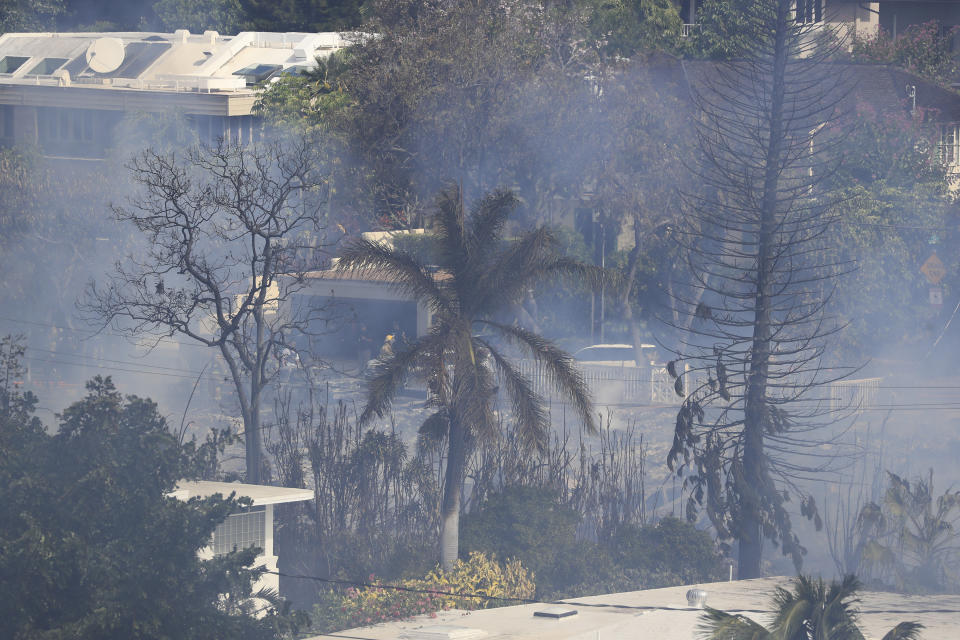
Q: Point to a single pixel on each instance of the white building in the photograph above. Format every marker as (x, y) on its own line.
(251, 527)
(655, 614)
(66, 92)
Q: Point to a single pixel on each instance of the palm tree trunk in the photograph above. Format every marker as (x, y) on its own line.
(450, 511)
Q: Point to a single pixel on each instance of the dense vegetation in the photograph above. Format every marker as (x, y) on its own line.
(583, 110)
(98, 548)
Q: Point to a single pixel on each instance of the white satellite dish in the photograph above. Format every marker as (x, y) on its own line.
(105, 54)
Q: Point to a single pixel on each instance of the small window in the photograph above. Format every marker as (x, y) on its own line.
(6, 114)
(257, 73)
(47, 66)
(9, 64)
(240, 531)
(809, 11)
(950, 144)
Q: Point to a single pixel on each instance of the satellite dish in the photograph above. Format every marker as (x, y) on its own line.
(105, 54)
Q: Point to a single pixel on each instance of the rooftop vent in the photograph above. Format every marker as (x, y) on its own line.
(555, 613)
(443, 632)
(181, 35)
(696, 598)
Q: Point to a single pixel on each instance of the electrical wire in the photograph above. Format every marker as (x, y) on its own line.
(482, 596)
(570, 602)
(91, 334)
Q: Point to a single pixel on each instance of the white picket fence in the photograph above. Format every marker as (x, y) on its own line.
(610, 384)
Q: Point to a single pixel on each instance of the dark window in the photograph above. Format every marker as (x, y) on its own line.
(65, 125)
(257, 73)
(9, 64)
(47, 66)
(6, 115)
(809, 11)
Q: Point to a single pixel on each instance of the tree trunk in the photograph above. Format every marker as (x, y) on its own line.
(755, 403)
(450, 511)
(633, 265)
(252, 439)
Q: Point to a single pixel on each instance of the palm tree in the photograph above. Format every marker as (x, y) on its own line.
(480, 278)
(913, 537)
(811, 611)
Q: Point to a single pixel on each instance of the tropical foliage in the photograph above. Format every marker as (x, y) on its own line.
(494, 584)
(477, 280)
(98, 548)
(811, 609)
(911, 539)
(924, 49)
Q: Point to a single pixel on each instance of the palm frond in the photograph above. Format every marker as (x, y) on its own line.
(399, 269)
(451, 230)
(434, 429)
(389, 375)
(510, 277)
(719, 625)
(904, 631)
(557, 364)
(488, 218)
(528, 407)
(474, 389)
(508, 272)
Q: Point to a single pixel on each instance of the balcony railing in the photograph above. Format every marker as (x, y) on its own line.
(688, 30)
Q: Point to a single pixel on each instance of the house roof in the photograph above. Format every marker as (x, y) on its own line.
(176, 62)
(260, 494)
(657, 613)
(880, 86)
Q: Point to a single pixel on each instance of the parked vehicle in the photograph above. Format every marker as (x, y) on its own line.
(615, 355)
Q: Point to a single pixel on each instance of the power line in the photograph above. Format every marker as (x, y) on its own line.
(904, 227)
(113, 368)
(569, 602)
(102, 359)
(484, 596)
(91, 334)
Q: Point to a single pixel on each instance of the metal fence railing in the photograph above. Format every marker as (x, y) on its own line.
(854, 395)
(610, 384)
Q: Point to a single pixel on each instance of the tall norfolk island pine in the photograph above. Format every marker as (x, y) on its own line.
(480, 276)
(756, 322)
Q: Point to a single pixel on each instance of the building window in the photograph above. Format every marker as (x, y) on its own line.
(9, 64)
(47, 66)
(64, 125)
(950, 144)
(238, 130)
(809, 11)
(6, 121)
(241, 531)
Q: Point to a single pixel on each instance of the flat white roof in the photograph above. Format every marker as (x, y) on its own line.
(260, 494)
(661, 614)
(178, 61)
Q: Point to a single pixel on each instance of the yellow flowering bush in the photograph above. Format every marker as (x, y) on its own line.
(480, 574)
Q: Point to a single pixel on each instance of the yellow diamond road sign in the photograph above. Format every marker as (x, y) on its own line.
(933, 268)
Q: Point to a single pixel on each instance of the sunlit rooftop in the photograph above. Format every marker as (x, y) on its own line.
(179, 61)
(663, 614)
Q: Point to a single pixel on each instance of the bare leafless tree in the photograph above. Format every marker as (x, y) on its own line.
(230, 233)
(755, 322)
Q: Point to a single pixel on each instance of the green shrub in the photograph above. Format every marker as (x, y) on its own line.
(479, 574)
(521, 522)
(672, 550)
(529, 524)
